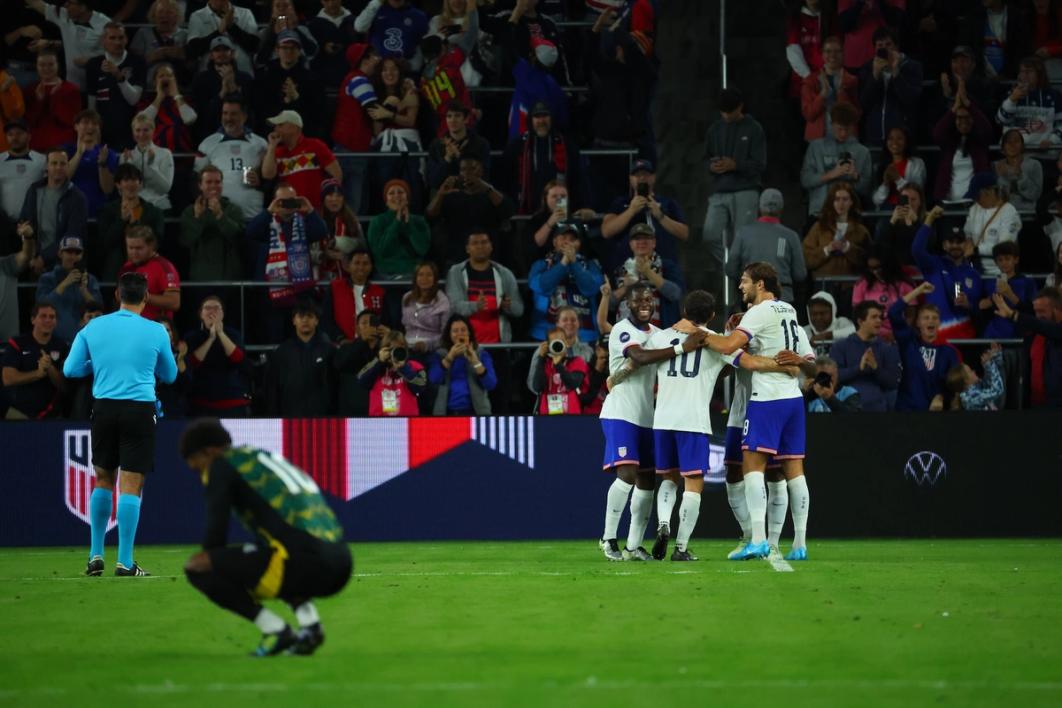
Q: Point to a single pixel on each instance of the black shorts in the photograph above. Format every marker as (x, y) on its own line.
(123, 435)
(294, 575)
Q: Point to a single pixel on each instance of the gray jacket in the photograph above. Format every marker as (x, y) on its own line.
(821, 157)
(744, 141)
(773, 243)
(505, 284)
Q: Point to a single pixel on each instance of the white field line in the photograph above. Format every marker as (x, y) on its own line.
(780, 565)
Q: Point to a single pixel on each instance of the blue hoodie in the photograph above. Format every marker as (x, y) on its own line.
(944, 274)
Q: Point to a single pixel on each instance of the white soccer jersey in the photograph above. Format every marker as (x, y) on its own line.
(232, 156)
(80, 41)
(740, 402)
(631, 400)
(17, 175)
(771, 327)
(685, 384)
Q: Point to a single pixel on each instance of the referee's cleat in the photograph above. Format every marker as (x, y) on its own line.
(95, 567)
(685, 555)
(752, 550)
(638, 554)
(797, 554)
(611, 549)
(276, 643)
(733, 555)
(134, 572)
(663, 534)
(307, 639)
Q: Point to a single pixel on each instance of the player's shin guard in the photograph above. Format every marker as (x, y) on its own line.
(777, 505)
(641, 505)
(735, 494)
(100, 503)
(756, 498)
(128, 518)
(665, 501)
(799, 504)
(688, 513)
(614, 505)
(225, 593)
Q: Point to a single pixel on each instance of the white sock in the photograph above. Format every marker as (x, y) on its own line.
(269, 622)
(735, 494)
(306, 614)
(665, 502)
(616, 502)
(756, 498)
(799, 504)
(688, 513)
(777, 505)
(641, 505)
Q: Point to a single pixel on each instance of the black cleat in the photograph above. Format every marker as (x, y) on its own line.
(135, 572)
(276, 643)
(663, 534)
(308, 639)
(685, 555)
(95, 567)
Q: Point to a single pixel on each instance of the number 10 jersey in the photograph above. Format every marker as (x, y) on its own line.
(685, 384)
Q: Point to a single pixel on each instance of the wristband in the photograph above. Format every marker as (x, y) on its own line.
(678, 350)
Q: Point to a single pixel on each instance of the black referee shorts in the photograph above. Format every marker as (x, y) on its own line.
(123, 435)
(295, 575)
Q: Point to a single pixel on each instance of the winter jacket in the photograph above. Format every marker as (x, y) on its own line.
(823, 262)
(873, 385)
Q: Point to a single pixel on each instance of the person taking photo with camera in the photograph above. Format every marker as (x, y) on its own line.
(394, 380)
(559, 379)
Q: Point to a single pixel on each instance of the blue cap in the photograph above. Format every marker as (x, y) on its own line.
(981, 180)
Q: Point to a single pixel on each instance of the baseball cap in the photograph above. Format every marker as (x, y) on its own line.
(355, 53)
(639, 231)
(15, 123)
(541, 108)
(222, 42)
(568, 227)
(642, 166)
(545, 51)
(330, 186)
(71, 243)
(286, 117)
(963, 49)
(981, 180)
(289, 36)
(771, 200)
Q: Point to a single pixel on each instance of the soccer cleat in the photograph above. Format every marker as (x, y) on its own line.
(95, 567)
(751, 550)
(685, 555)
(638, 554)
(135, 571)
(307, 639)
(774, 554)
(611, 549)
(276, 643)
(733, 555)
(797, 554)
(663, 534)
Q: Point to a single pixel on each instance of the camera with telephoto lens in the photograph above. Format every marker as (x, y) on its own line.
(556, 346)
(399, 356)
(824, 379)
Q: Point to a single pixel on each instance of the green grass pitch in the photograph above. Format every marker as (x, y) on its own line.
(880, 623)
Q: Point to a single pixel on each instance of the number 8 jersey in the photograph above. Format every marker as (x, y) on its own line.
(771, 327)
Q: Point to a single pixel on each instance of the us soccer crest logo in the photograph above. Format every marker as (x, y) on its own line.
(78, 476)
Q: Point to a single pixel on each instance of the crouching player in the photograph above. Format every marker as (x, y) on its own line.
(298, 553)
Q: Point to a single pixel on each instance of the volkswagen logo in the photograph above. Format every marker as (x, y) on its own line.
(925, 468)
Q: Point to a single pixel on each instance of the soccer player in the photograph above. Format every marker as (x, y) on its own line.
(125, 352)
(774, 421)
(298, 553)
(627, 420)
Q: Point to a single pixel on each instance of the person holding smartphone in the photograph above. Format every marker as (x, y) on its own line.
(643, 205)
(69, 287)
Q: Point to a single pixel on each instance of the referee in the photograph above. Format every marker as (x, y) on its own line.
(125, 353)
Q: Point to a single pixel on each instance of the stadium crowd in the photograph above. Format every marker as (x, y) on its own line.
(406, 223)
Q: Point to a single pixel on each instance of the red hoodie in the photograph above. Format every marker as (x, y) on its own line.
(353, 127)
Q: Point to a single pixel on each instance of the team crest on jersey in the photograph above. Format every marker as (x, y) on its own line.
(622, 451)
(79, 477)
(929, 357)
(625, 337)
(235, 149)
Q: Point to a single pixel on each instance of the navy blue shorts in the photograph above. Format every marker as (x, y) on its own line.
(775, 428)
(682, 451)
(626, 444)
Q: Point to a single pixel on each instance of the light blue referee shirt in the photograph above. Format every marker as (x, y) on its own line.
(125, 352)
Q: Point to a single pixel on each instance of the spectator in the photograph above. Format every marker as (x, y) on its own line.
(538, 156)
(33, 368)
(663, 276)
(737, 156)
(114, 82)
(837, 158)
(1022, 177)
(352, 128)
(484, 291)
(558, 379)
(859, 20)
(212, 230)
(69, 287)
(394, 125)
(355, 295)
(883, 282)
(526, 25)
(953, 280)
(924, 362)
(163, 283)
(333, 31)
(998, 31)
(991, 220)
(890, 87)
(533, 83)
(12, 105)
(117, 217)
(154, 162)
(1046, 22)
(222, 18)
(805, 43)
(965, 79)
(398, 239)
(163, 42)
(837, 243)
(929, 31)
(27, 35)
(284, 19)
(394, 378)
(824, 88)
(825, 393)
(394, 27)
(216, 84)
(643, 205)
(461, 371)
(598, 390)
(344, 233)
(299, 378)
(171, 114)
(172, 397)
(867, 361)
(20, 168)
(300, 161)
(1043, 346)
(970, 392)
(1033, 107)
(442, 80)
(556, 207)
(81, 29)
(92, 164)
(963, 134)
(350, 357)
(425, 309)
(238, 153)
(824, 325)
(467, 203)
(456, 140)
(565, 278)
(54, 207)
(286, 86)
(1017, 290)
(897, 234)
(10, 267)
(217, 359)
(51, 104)
(902, 169)
(768, 240)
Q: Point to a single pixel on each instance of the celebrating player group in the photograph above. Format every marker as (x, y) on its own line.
(765, 431)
